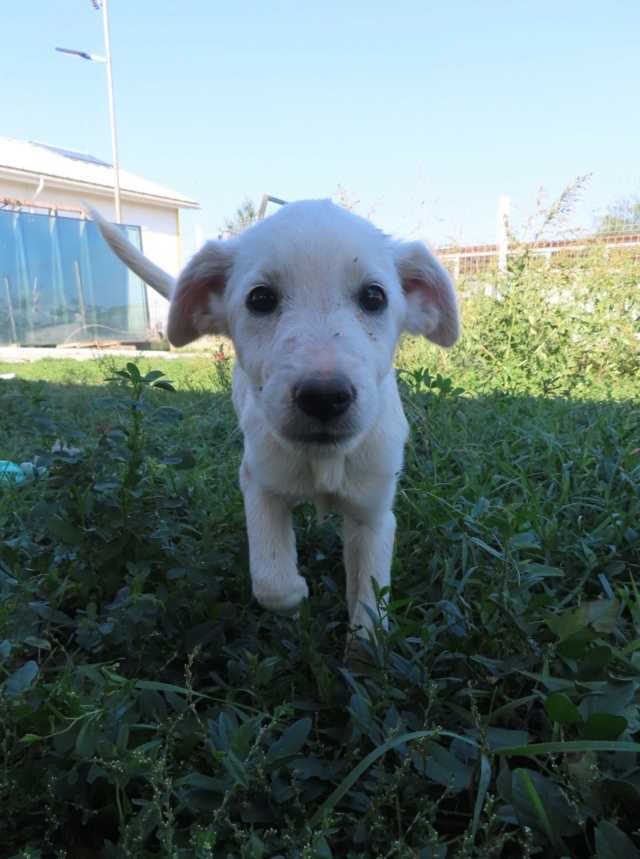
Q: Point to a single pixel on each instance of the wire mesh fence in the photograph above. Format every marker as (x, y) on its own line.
(476, 232)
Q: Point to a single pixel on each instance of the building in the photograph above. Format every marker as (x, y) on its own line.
(59, 283)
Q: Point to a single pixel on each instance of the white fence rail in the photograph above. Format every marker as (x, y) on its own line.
(475, 233)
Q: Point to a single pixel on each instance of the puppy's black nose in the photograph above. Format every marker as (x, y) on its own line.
(324, 399)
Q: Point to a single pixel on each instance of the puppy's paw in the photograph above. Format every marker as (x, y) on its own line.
(280, 596)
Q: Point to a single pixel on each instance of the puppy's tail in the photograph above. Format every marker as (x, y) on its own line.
(132, 257)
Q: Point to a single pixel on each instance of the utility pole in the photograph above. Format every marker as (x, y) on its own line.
(102, 4)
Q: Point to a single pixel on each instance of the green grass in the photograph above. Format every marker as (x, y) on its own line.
(149, 707)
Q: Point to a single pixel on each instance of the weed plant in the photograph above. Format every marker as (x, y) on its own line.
(149, 707)
(569, 323)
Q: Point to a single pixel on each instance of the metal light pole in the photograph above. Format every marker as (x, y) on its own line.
(102, 4)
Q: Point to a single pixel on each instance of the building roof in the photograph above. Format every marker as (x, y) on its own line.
(76, 169)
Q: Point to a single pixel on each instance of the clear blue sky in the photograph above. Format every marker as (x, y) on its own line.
(408, 104)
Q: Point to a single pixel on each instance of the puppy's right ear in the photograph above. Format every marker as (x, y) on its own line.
(198, 303)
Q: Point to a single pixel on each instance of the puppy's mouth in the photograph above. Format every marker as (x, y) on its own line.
(319, 440)
(323, 439)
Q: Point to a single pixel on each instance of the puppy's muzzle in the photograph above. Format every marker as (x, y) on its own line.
(324, 398)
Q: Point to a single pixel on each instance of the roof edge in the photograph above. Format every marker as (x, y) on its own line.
(125, 193)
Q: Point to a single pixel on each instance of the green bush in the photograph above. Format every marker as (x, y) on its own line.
(562, 322)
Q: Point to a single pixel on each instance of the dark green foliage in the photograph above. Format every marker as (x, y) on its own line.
(149, 707)
(245, 215)
(621, 219)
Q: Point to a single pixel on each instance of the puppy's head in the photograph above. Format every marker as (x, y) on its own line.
(314, 299)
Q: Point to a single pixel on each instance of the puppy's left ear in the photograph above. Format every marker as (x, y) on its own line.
(432, 308)
(198, 302)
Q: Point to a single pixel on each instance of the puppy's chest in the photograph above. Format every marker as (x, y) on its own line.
(325, 482)
(318, 479)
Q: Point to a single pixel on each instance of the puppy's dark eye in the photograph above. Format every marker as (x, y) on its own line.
(372, 298)
(262, 299)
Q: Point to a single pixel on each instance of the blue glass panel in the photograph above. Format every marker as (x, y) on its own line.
(60, 283)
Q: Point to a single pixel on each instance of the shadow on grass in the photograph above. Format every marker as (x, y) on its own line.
(31, 407)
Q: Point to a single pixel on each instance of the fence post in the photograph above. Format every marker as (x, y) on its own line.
(503, 236)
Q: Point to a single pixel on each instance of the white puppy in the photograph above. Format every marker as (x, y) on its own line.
(314, 299)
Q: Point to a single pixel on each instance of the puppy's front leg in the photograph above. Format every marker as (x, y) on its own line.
(272, 551)
(368, 547)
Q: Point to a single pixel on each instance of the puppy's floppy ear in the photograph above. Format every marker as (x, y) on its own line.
(432, 309)
(198, 304)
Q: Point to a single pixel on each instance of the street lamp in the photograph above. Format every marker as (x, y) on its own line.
(97, 4)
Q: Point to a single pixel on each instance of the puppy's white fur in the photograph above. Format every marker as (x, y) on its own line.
(315, 258)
